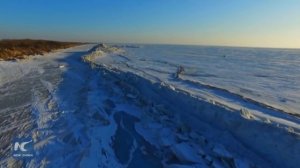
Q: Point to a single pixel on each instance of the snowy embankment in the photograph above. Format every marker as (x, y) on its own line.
(237, 136)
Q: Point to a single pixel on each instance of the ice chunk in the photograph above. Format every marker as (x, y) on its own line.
(247, 114)
(185, 153)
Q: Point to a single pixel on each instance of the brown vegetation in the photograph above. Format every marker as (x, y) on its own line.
(18, 49)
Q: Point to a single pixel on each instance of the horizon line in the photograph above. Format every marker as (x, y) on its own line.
(157, 43)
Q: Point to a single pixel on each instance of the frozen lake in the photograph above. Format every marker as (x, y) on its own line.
(267, 76)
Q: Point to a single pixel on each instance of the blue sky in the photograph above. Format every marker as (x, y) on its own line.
(262, 23)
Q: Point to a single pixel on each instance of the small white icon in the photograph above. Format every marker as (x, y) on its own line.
(21, 146)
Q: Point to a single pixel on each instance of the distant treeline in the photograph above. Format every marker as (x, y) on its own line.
(18, 49)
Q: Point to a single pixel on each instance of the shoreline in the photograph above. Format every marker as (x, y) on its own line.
(11, 50)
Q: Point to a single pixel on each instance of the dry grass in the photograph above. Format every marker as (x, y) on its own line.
(19, 49)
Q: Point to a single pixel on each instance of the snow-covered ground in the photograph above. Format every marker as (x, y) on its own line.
(124, 106)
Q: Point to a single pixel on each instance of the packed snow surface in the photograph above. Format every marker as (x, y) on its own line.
(153, 106)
